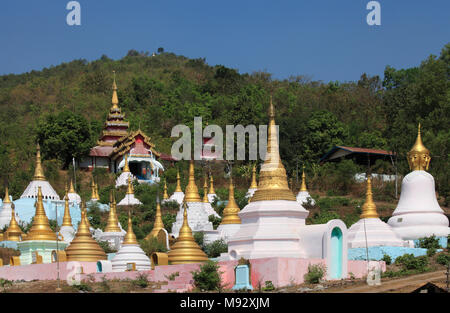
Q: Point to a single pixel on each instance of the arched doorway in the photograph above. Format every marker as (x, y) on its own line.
(336, 253)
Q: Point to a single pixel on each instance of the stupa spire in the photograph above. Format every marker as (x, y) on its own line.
(230, 212)
(126, 168)
(115, 99)
(130, 190)
(158, 224)
(419, 156)
(185, 249)
(112, 225)
(71, 189)
(211, 185)
(40, 230)
(93, 193)
(165, 195)
(205, 191)
(191, 194)
(83, 209)
(67, 219)
(369, 209)
(272, 179)
(14, 232)
(130, 237)
(6, 199)
(254, 184)
(38, 171)
(303, 186)
(178, 188)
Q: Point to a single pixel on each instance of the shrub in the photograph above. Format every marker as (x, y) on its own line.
(105, 285)
(105, 246)
(82, 286)
(199, 238)
(429, 242)
(443, 259)
(141, 280)
(315, 273)
(214, 220)
(152, 245)
(208, 277)
(215, 248)
(4, 283)
(410, 262)
(268, 286)
(386, 258)
(431, 252)
(172, 276)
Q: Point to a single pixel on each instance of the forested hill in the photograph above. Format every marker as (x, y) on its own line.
(159, 92)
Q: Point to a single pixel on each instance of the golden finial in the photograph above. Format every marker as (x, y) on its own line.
(71, 189)
(178, 188)
(96, 192)
(272, 176)
(67, 220)
(40, 230)
(303, 186)
(165, 195)
(84, 209)
(369, 209)
(130, 190)
(205, 191)
(14, 232)
(38, 171)
(158, 224)
(93, 193)
(230, 212)
(419, 157)
(115, 99)
(112, 225)
(130, 237)
(185, 249)
(254, 184)
(191, 194)
(126, 169)
(6, 199)
(211, 185)
(83, 247)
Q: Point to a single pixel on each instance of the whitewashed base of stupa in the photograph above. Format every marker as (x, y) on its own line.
(129, 199)
(47, 190)
(43, 247)
(122, 180)
(5, 215)
(377, 232)
(418, 213)
(211, 197)
(74, 198)
(68, 233)
(178, 196)
(130, 254)
(114, 239)
(269, 228)
(304, 196)
(210, 210)
(224, 231)
(250, 192)
(197, 218)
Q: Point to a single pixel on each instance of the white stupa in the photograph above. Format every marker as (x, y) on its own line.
(39, 181)
(122, 180)
(211, 192)
(253, 186)
(113, 232)
(67, 230)
(5, 213)
(72, 194)
(370, 231)
(197, 214)
(178, 195)
(129, 198)
(130, 252)
(303, 195)
(418, 213)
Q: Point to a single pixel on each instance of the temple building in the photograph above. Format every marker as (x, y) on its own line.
(129, 198)
(253, 186)
(418, 213)
(178, 195)
(303, 195)
(117, 141)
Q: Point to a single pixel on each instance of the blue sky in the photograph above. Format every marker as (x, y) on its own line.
(324, 39)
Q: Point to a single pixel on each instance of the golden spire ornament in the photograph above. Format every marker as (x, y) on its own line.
(93, 193)
(130, 237)
(112, 225)
(126, 169)
(158, 224)
(191, 194)
(96, 192)
(303, 186)
(165, 195)
(83, 247)
(6, 199)
(186, 250)
(254, 184)
(178, 188)
(40, 230)
(71, 189)
(38, 171)
(130, 190)
(67, 219)
(369, 209)
(84, 209)
(419, 157)
(205, 191)
(230, 212)
(211, 185)
(14, 232)
(272, 176)
(115, 99)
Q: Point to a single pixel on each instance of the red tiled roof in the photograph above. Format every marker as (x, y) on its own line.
(101, 151)
(364, 150)
(167, 157)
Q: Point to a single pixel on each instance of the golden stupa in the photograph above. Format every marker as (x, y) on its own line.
(165, 195)
(158, 224)
(67, 219)
(230, 212)
(130, 237)
(93, 190)
(115, 99)
(178, 188)
(126, 169)
(83, 247)
(185, 249)
(130, 189)
(419, 156)
(303, 186)
(272, 176)
(369, 209)
(14, 232)
(205, 191)
(38, 171)
(6, 199)
(211, 185)
(40, 230)
(191, 193)
(112, 225)
(71, 189)
(254, 184)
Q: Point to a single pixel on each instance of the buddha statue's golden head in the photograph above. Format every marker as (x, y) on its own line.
(419, 156)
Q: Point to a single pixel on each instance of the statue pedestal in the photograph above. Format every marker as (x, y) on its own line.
(43, 247)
